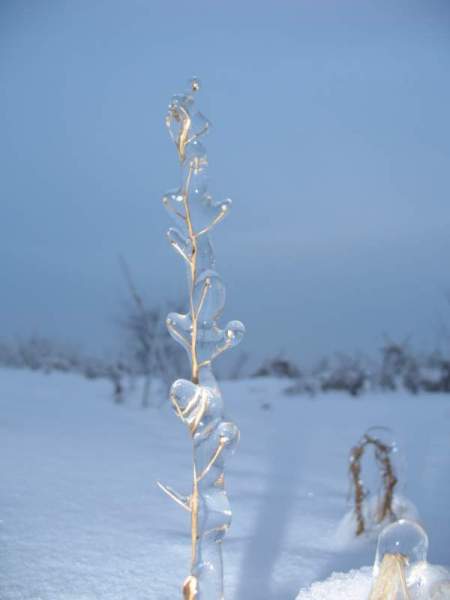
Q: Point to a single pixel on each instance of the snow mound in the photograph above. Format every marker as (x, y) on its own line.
(430, 582)
(354, 585)
(345, 532)
(441, 591)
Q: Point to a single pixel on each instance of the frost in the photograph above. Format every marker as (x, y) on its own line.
(354, 585)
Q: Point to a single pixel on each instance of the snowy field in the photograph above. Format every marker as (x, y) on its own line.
(81, 517)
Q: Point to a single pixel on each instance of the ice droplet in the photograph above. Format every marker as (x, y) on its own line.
(406, 538)
(194, 84)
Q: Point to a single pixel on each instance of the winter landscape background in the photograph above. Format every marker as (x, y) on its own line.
(331, 135)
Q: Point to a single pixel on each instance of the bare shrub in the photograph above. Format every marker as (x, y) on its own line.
(382, 452)
(344, 373)
(399, 367)
(277, 367)
(149, 347)
(434, 373)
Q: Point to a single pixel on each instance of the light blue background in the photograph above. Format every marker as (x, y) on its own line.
(332, 136)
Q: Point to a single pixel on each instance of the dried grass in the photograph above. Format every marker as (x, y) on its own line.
(388, 476)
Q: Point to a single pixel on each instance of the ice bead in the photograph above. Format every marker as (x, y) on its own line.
(406, 538)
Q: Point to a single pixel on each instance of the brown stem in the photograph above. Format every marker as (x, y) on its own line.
(389, 478)
(193, 271)
(194, 505)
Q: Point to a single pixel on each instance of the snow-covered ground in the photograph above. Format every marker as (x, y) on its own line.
(82, 519)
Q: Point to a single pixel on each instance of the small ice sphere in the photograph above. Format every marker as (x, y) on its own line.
(405, 538)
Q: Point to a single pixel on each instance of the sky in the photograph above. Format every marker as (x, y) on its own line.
(331, 135)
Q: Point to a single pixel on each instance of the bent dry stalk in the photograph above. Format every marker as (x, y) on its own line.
(198, 402)
(388, 476)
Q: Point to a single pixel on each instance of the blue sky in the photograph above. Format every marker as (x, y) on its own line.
(331, 135)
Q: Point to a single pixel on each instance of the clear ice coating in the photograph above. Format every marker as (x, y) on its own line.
(405, 538)
(198, 402)
(401, 570)
(402, 548)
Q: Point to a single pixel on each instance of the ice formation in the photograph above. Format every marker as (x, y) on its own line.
(198, 402)
(404, 538)
(400, 572)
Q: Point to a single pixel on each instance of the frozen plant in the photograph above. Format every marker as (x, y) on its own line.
(198, 402)
(401, 570)
(151, 351)
(383, 456)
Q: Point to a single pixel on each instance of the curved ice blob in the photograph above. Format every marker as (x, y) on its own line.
(405, 538)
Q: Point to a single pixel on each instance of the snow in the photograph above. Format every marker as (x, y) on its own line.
(354, 585)
(81, 517)
(425, 582)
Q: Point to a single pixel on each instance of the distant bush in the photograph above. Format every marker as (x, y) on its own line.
(398, 367)
(343, 373)
(151, 351)
(277, 367)
(401, 367)
(38, 353)
(434, 374)
(148, 354)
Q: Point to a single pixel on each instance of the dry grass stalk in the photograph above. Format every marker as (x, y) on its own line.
(382, 457)
(390, 583)
(190, 588)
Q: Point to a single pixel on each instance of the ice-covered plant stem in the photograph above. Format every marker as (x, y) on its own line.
(198, 402)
